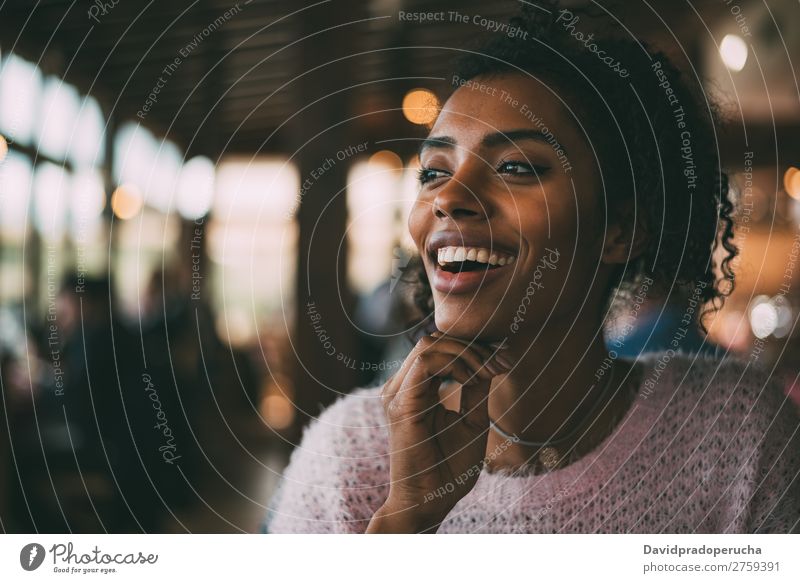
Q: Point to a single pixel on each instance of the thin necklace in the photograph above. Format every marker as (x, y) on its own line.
(549, 454)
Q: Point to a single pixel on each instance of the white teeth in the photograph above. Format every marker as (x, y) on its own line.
(481, 255)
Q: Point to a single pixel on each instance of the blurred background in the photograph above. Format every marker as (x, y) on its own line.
(202, 232)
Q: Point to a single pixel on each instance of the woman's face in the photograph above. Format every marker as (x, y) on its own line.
(509, 217)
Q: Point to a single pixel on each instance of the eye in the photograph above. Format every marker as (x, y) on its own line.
(515, 167)
(425, 175)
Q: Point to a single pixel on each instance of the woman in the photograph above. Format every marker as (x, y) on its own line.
(566, 175)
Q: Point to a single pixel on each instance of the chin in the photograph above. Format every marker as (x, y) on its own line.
(471, 323)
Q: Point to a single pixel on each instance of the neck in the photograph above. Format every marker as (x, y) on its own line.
(554, 382)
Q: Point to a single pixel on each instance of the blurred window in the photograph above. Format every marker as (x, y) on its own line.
(87, 146)
(380, 192)
(16, 176)
(153, 165)
(252, 242)
(51, 187)
(56, 117)
(20, 89)
(196, 188)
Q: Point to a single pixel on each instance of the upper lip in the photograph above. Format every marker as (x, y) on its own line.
(465, 239)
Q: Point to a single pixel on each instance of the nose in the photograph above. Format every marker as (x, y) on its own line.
(459, 199)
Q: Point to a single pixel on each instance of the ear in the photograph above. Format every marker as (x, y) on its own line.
(625, 239)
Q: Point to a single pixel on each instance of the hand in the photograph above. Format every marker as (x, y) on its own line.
(435, 455)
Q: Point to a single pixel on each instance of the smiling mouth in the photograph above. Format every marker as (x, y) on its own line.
(460, 259)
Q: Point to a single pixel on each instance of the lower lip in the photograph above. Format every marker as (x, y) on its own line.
(464, 282)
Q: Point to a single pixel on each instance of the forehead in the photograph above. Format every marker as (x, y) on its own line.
(491, 103)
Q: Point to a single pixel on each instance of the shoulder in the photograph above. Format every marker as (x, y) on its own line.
(713, 404)
(729, 418)
(338, 474)
(739, 382)
(350, 426)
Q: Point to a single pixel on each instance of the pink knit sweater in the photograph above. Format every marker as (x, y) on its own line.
(709, 446)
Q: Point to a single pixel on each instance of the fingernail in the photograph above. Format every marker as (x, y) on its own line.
(502, 369)
(504, 361)
(492, 367)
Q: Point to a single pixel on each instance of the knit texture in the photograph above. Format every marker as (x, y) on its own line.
(709, 445)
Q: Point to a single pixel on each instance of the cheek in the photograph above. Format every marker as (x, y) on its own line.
(547, 222)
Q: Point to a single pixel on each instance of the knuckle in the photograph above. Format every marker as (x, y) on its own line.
(394, 410)
(422, 360)
(388, 391)
(425, 342)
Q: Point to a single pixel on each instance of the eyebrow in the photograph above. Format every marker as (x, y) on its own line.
(443, 142)
(492, 140)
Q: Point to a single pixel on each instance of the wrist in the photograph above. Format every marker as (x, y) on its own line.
(387, 520)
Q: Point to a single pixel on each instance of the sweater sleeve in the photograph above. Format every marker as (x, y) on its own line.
(333, 482)
(767, 493)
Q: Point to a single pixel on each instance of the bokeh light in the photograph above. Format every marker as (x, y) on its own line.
(733, 51)
(420, 106)
(277, 411)
(196, 188)
(126, 202)
(791, 182)
(763, 319)
(388, 159)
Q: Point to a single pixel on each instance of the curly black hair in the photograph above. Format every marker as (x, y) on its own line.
(655, 134)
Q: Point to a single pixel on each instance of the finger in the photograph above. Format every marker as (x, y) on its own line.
(393, 384)
(442, 365)
(478, 358)
(494, 354)
(466, 370)
(475, 404)
(473, 344)
(389, 389)
(457, 350)
(418, 392)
